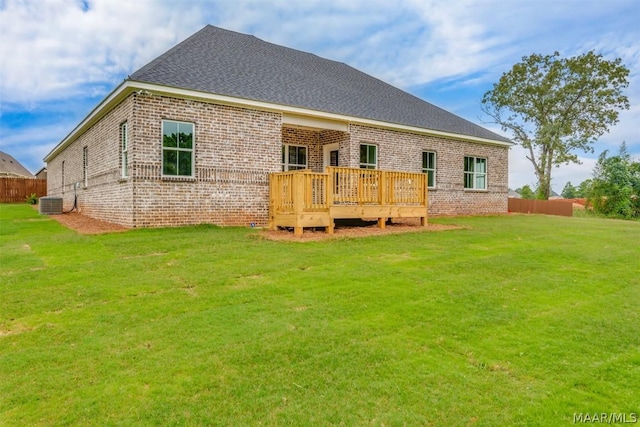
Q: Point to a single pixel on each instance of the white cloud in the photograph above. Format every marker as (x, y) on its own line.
(53, 49)
(521, 171)
(30, 145)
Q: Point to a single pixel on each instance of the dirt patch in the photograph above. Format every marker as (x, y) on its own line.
(86, 225)
(347, 229)
(356, 229)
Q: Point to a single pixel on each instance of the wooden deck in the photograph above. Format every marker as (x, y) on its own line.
(301, 199)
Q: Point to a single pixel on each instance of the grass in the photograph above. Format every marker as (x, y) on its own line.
(519, 320)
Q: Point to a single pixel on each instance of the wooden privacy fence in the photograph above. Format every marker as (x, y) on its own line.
(547, 207)
(17, 189)
(301, 199)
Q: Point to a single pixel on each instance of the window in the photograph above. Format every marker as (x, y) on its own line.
(368, 156)
(63, 176)
(124, 147)
(475, 173)
(177, 148)
(85, 166)
(294, 157)
(429, 167)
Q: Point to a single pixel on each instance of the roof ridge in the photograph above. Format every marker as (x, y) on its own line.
(158, 59)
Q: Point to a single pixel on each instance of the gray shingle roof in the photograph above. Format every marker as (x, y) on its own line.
(12, 168)
(224, 62)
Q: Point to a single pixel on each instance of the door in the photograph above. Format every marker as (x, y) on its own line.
(330, 154)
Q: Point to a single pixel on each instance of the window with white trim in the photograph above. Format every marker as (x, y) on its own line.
(177, 148)
(368, 156)
(475, 173)
(85, 166)
(429, 167)
(294, 157)
(124, 147)
(63, 183)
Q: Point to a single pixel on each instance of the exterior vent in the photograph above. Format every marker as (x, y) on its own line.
(50, 205)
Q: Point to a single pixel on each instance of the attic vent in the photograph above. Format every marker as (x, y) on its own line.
(50, 205)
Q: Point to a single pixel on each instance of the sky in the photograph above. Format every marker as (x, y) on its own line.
(60, 58)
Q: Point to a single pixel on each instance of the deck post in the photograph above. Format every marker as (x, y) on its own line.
(298, 202)
(272, 202)
(331, 187)
(382, 196)
(424, 220)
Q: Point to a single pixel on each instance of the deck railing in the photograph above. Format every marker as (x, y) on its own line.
(306, 199)
(290, 191)
(378, 187)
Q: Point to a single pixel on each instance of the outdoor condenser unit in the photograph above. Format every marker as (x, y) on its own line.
(50, 205)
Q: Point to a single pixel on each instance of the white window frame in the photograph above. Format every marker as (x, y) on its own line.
(286, 166)
(367, 164)
(85, 166)
(430, 168)
(475, 175)
(178, 149)
(124, 148)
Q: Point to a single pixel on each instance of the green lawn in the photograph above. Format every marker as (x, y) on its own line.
(518, 320)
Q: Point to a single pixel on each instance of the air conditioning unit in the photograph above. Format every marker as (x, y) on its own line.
(50, 205)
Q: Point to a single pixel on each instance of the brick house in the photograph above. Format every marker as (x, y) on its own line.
(192, 137)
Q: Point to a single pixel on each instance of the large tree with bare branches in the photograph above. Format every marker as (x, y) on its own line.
(554, 107)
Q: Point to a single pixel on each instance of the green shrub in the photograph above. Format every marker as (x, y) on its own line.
(31, 199)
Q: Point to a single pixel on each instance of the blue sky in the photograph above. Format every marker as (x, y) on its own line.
(59, 58)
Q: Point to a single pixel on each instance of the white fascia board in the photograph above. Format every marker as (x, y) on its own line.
(296, 116)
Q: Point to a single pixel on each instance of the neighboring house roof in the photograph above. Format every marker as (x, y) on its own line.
(12, 168)
(42, 173)
(224, 62)
(514, 194)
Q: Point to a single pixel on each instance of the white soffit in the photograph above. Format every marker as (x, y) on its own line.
(313, 122)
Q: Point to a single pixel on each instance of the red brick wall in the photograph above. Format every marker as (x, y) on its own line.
(235, 150)
(403, 151)
(106, 196)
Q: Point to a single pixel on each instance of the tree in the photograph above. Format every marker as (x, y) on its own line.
(584, 189)
(554, 106)
(569, 191)
(526, 192)
(615, 190)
